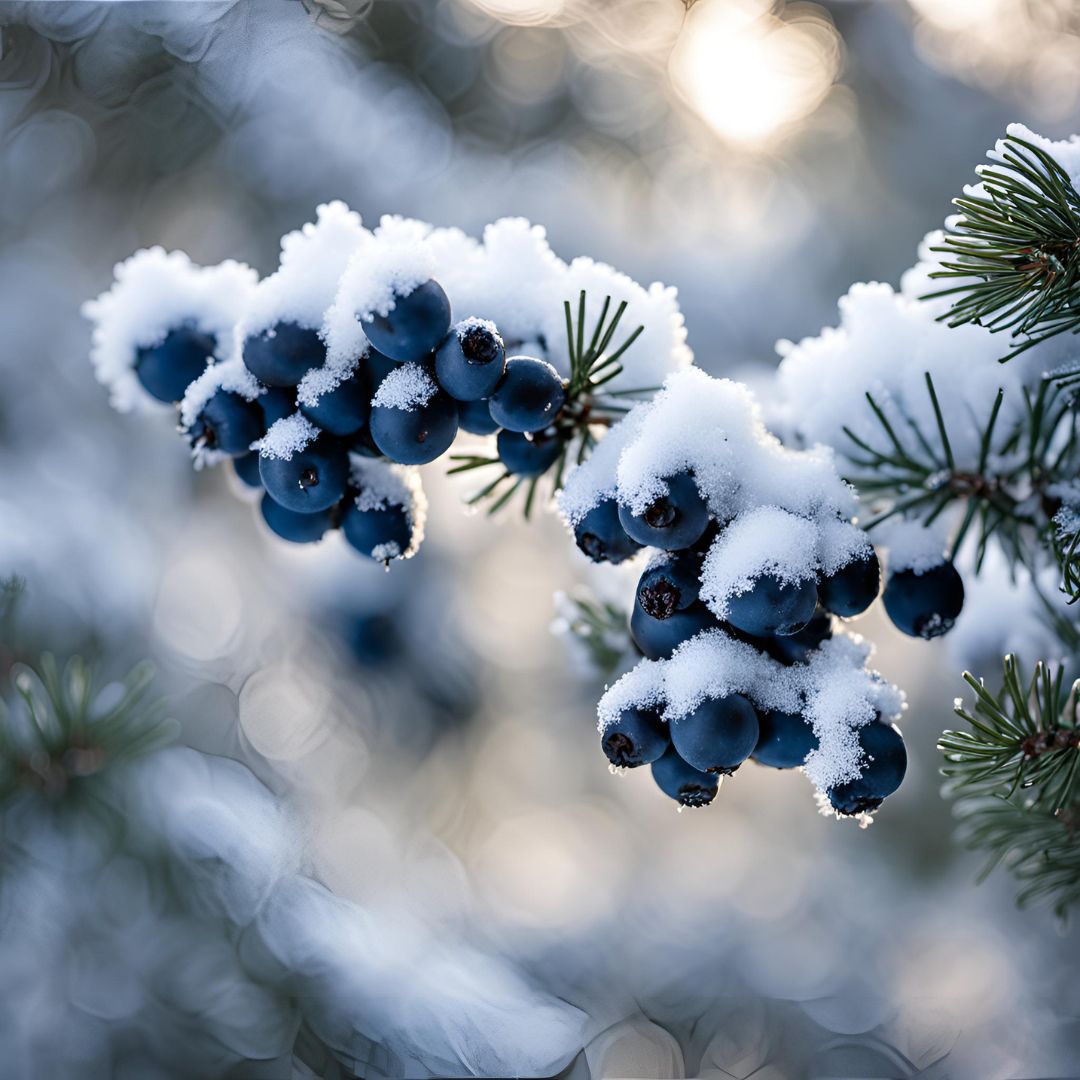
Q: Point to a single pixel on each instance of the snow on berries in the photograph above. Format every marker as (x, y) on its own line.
(367, 352)
(751, 538)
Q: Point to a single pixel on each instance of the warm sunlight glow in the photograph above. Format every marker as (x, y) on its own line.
(522, 12)
(749, 73)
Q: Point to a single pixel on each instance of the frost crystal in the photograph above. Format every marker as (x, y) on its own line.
(286, 437)
(406, 387)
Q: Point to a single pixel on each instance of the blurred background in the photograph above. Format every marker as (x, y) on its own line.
(417, 744)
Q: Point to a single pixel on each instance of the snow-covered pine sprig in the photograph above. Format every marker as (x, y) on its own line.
(1014, 775)
(1011, 258)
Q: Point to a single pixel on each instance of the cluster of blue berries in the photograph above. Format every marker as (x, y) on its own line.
(785, 621)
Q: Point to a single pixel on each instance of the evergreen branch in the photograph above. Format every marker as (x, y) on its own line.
(1015, 251)
(1015, 776)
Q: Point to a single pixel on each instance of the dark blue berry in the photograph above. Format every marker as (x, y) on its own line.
(718, 736)
(246, 468)
(853, 588)
(283, 354)
(771, 606)
(795, 648)
(882, 772)
(529, 396)
(635, 737)
(165, 370)
(343, 410)
(418, 435)
(297, 528)
(275, 405)
(374, 367)
(682, 782)
(670, 586)
(925, 605)
(673, 521)
(228, 423)
(784, 740)
(415, 326)
(470, 362)
(600, 535)
(475, 418)
(529, 455)
(659, 638)
(313, 479)
(381, 534)
(363, 444)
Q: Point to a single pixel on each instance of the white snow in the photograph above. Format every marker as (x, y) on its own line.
(286, 437)
(834, 690)
(406, 387)
(155, 291)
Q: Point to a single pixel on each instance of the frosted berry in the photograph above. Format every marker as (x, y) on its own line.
(529, 396)
(784, 740)
(475, 418)
(283, 354)
(672, 521)
(925, 604)
(853, 588)
(343, 410)
(529, 455)
(417, 323)
(718, 736)
(600, 535)
(470, 362)
(882, 772)
(669, 586)
(637, 736)
(381, 534)
(659, 638)
(374, 367)
(292, 526)
(313, 479)
(246, 468)
(795, 648)
(417, 435)
(682, 782)
(772, 606)
(166, 369)
(228, 423)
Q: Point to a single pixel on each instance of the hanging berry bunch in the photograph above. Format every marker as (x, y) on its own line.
(362, 357)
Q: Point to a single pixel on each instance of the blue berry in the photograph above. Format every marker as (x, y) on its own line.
(475, 418)
(600, 535)
(381, 534)
(635, 737)
(795, 648)
(718, 736)
(313, 479)
(882, 772)
(673, 521)
(297, 528)
(529, 455)
(771, 606)
(374, 367)
(228, 422)
(925, 604)
(670, 586)
(343, 410)
(362, 443)
(418, 322)
(682, 782)
(470, 362)
(853, 588)
(283, 354)
(659, 638)
(784, 740)
(246, 468)
(418, 435)
(529, 396)
(275, 405)
(165, 370)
